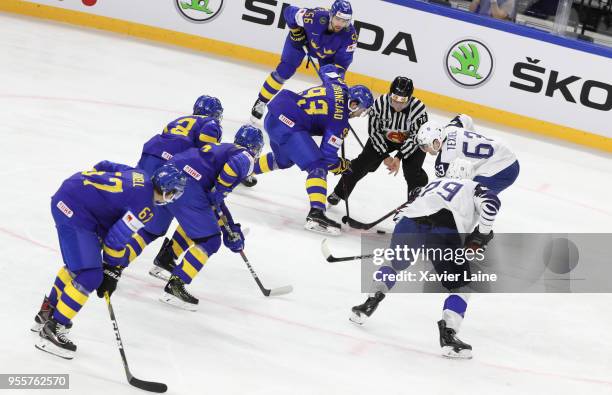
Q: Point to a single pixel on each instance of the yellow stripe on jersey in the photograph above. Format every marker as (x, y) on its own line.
(139, 240)
(227, 184)
(316, 182)
(207, 139)
(113, 253)
(228, 169)
(263, 164)
(317, 197)
(132, 254)
(273, 83)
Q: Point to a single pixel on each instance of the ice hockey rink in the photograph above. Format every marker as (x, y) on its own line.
(70, 97)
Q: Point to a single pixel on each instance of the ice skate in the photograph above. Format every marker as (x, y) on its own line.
(163, 262)
(452, 346)
(176, 295)
(363, 311)
(54, 341)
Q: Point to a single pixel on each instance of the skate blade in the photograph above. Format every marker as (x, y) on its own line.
(314, 227)
(448, 352)
(176, 302)
(357, 319)
(48, 346)
(160, 273)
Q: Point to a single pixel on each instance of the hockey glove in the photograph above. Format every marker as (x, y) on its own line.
(413, 194)
(298, 37)
(216, 196)
(234, 240)
(109, 283)
(343, 166)
(477, 240)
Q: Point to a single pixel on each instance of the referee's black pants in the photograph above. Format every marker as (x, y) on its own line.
(369, 160)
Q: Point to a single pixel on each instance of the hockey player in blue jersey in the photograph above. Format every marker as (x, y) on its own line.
(292, 121)
(190, 131)
(212, 173)
(97, 213)
(327, 35)
(435, 218)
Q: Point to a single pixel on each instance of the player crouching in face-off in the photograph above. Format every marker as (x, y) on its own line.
(435, 218)
(292, 121)
(97, 213)
(212, 173)
(202, 127)
(494, 165)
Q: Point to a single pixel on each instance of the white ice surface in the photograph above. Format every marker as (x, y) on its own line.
(71, 97)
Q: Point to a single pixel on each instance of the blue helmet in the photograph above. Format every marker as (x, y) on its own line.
(341, 9)
(331, 73)
(362, 95)
(250, 138)
(208, 106)
(169, 179)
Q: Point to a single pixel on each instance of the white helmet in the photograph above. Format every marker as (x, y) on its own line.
(428, 133)
(460, 168)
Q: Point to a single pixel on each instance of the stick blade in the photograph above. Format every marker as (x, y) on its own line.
(281, 290)
(150, 386)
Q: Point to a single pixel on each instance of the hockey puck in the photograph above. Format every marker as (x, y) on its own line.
(381, 232)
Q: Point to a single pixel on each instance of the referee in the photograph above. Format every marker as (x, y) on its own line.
(394, 120)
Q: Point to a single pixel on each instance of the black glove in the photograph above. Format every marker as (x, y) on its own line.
(478, 240)
(109, 283)
(298, 37)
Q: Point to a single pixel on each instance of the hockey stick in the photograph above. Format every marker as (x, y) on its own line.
(330, 258)
(348, 215)
(267, 292)
(150, 386)
(353, 223)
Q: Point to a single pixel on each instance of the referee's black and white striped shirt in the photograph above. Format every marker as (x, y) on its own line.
(388, 126)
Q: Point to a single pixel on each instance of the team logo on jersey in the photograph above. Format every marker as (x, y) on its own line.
(469, 63)
(396, 136)
(132, 221)
(65, 209)
(286, 121)
(192, 172)
(335, 141)
(199, 10)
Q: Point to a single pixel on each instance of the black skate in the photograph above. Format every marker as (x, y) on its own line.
(365, 310)
(54, 341)
(175, 294)
(317, 221)
(44, 314)
(257, 111)
(249, 181)
(164, 262)
(333, 199)
(452, 347)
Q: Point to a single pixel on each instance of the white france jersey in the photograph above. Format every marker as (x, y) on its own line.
(469, 203)
(488, 156)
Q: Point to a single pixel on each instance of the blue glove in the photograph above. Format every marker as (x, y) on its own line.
(236, 243)
(114, 248)
(216, 197)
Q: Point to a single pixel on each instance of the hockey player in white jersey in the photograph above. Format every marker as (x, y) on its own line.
(436, 217)
(495, 165)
